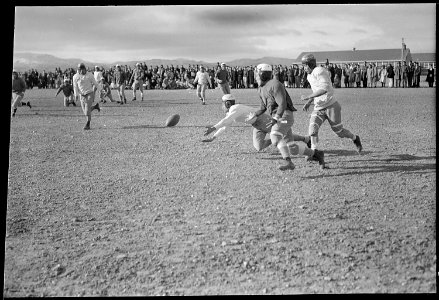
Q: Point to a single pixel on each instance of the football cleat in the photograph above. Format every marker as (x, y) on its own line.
(357, 143)
(309, 143)
(97, 107)
(320, 157)
(287, 165)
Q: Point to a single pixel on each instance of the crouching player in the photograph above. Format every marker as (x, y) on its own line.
(246, 114)
(105, 91)
(68, 92)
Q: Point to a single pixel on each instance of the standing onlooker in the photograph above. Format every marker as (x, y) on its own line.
(383, 75)
(137, 80)
(326, 107)
(390, 75)
(201, 81)
(410, 70)
(298, 76)
(222, 77)
(18, 89)
(85, 86)
(119, 81)
(364, 74)
(430, 76)
(251, 77)
(352, 75)
(357, 72)
(369, 75)
(331, 73)
(346, 74)
(68, 92)
(416, 75)
(404, 74)
(398, 74)
(375, 71)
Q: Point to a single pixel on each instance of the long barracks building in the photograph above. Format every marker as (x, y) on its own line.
(378, 56)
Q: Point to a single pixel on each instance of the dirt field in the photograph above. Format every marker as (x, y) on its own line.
(132, 207)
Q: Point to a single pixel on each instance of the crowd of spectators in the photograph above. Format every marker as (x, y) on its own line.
(294, 76)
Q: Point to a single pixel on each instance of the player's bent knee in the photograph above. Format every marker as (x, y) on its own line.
(275, 138)
(313, 129)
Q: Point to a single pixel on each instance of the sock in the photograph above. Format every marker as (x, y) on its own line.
(314, 141)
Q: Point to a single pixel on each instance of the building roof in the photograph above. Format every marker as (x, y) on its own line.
(357, 55)
(426, 57)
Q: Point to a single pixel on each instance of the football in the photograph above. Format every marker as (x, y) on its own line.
(172, 120)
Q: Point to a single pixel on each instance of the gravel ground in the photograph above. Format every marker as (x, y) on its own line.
(132, 207)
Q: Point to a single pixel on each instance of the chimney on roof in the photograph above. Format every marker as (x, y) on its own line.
(403, 50)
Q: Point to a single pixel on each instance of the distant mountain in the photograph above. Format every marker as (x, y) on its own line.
(26, 61)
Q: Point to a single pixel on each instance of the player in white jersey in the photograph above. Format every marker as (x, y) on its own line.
(201, 81)
(98, 77)
(326, 107)
(85, 86)
(246, 114)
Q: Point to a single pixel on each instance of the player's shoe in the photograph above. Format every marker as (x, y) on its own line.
(141, 99)
(87, 126)
(309, 143)
(309, 158)
(134, 99)
(13, 114)
(96, 106)
(28, 104)
(125, 100)
(320, 157)
(204, 103)
(287, 165)
(357, 143)
(73, 103)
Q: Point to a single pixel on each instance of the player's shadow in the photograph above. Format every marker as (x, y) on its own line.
(159, 127)
(383, 168)
(341, 152)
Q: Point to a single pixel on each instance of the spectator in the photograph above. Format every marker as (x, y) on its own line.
(410, 70)
(416, 75)
(364, 74)
(430, 76)
(346, 74)
(383, 75)
(390, 75)
(357, 72)
(398, 74)
(404, 72)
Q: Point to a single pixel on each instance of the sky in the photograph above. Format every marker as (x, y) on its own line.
(220, 33)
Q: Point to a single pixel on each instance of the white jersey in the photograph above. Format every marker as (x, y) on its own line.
(98, 76)
(319, 79)
(202, 77)
(83, 84)
(237, 113)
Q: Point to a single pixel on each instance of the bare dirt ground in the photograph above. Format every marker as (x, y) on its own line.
(135, 208)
